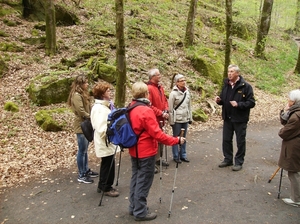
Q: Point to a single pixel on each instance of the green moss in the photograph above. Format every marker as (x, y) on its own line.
(45, 119)
(11, 106)
(11, 47)
(9, 22)
(3, 34)
(3, 67)
(200, 115)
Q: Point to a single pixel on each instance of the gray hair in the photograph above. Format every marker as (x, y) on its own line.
(153, 72)
(235, 67)
(294, 95)
(177, 77)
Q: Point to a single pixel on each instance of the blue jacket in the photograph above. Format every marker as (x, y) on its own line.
(243, 94)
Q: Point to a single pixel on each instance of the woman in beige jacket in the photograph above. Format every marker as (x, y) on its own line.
(79, 101)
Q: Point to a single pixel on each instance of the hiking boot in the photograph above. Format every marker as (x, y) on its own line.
(185, 160)
(112, 193)
(148, 217)
(237, 167)
(164, 163)
(92, 174)
(224, 164)
(85, 179)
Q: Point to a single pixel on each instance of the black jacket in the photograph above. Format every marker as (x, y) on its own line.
(243, 94)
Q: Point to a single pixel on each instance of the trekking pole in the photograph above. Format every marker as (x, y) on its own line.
(160, 148)
(122, 150)
(112, 161)
(181, 135)
(273, 175)
(165, 130)
(280, 183)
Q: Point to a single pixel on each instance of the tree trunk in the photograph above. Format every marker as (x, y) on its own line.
(50, 28)
(297, 20)
(189, 33)
(120, 56)
(297, 68)
(228, 36)
(263, 29)
(26, 8)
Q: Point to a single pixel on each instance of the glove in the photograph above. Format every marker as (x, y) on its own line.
(190, 122)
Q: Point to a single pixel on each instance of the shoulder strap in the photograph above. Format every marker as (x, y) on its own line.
(178, 105)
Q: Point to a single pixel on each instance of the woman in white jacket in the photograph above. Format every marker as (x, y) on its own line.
(99, 114)
(180, 115)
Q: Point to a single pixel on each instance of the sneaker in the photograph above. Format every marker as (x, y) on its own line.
(92, 174)
(237, 167)
(148, 217)
(224, 164)
(164, 163)
(112, 193)
(177, 161)
(289, 201)
(85, 179)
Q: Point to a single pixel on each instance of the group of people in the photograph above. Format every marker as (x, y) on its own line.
(236, 98)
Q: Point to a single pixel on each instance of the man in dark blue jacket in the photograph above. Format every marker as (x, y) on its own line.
(236, 98)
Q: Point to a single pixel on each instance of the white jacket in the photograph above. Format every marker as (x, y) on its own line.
(183, 113)
(99, 114)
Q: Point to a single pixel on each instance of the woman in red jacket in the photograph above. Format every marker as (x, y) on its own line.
(143, 121)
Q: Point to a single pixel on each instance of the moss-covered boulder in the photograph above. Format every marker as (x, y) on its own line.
(49, 89)
(46, 119)
(209, 63)
(3, 67)
(11, 106)
(200, 115)
(101, 70)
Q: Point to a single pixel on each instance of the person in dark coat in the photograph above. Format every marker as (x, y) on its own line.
(289, 158)
(236, 98)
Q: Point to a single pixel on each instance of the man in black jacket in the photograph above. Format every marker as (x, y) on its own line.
(236, 98)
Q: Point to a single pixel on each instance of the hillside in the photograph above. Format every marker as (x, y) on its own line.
(26, 150)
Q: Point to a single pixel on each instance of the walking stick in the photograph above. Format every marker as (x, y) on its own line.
(273, 175)
(122, 150)
(112, 161)
(181, 135)
(280, 183)
(160, 148)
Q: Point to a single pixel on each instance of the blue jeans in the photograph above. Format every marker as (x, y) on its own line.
(179, 152)
(82, 156)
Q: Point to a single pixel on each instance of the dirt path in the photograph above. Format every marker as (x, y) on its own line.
(204, 193)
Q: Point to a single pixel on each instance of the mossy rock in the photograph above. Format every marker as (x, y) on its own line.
(200, 115)
(208, 63)
(11, 106)
(45, 119)
(3, 67)
(101, 70)
(245, 30)
(35, 40)
(49, 89)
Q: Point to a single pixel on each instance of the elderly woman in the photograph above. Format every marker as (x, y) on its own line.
(79, 101)
(289, 158)
(144, 123)
(180, 114)
(105, 151)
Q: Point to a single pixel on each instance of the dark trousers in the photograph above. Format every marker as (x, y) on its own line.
(239, 128)
(105, 175)
(141, 181)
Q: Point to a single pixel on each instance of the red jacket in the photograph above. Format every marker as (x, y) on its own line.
(143, 121)
(158, 99)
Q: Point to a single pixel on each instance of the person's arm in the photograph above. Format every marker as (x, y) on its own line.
(291, 129)
(249, 101)
(171, 108)
(79, 106)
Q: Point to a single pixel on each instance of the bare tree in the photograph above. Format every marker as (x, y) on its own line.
(297, 20)
(189, 33)
(228, 36)
(120, 55)
(263, 29)
(50, 28)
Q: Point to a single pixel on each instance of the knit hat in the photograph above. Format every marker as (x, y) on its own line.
(177, 77)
